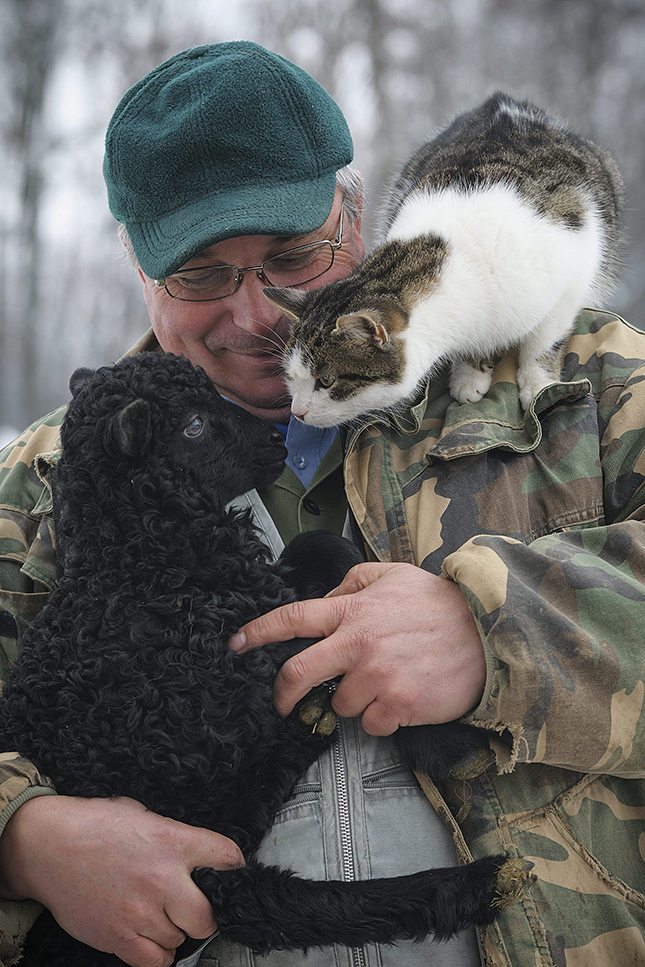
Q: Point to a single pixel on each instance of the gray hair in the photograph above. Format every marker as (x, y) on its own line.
(351, 185)
(347, 179)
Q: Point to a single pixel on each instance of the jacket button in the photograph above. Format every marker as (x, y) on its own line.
(311, 506)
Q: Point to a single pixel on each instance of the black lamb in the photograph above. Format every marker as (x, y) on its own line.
(125, 684)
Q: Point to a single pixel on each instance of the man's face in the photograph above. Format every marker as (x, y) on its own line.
(238, 339)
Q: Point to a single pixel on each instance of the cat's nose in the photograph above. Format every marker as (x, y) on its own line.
(299, 416)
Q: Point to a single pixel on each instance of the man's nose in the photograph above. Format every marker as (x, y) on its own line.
(252, 311)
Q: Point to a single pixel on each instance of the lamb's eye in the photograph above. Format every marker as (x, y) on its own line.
(195, 427)
(326, 380)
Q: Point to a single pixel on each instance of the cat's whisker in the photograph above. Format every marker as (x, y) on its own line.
(274, 348)
(269, 352)
(275, 339)
(361, 425)
(280, 340)
(271, 336)
(307, 354)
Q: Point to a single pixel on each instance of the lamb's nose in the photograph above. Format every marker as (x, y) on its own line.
(276, 438)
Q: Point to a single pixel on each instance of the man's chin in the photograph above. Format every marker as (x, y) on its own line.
(276, 407)
(272, 413)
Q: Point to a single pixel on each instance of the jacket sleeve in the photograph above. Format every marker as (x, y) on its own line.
(19, 782)
(562, 619)
(27, 544)
(27, 575)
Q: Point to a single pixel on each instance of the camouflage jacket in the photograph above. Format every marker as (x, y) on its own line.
(539, 518)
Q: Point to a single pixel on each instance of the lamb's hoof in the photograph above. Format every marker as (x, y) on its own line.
(315, 712)
(473, 765)
(514, 879)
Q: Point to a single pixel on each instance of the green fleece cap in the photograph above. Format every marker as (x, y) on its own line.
(219, 141)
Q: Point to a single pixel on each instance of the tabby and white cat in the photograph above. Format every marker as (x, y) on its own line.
(497, 233)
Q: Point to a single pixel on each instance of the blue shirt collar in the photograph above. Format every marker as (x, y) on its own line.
(306, 446)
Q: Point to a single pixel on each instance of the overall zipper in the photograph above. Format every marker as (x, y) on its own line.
(345, 826)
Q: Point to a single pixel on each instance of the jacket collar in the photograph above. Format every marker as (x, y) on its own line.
(453, 430)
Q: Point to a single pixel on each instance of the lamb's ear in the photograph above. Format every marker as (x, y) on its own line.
(80, 378)
(291, 301)
(366, 326)
(131, 427)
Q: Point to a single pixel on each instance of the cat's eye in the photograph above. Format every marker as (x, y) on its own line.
(195, 427)
(326, 380)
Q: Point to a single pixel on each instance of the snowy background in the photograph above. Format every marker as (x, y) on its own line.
(398, 68)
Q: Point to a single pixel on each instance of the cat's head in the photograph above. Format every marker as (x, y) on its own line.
(342, 359)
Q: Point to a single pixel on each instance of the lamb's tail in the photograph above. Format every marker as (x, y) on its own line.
(266, 909)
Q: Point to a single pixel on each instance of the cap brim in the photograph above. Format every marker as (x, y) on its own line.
(164, 245)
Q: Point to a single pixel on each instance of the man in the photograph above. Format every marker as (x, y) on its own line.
(525, 618)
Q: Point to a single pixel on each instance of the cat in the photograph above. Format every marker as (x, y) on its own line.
(497, 232)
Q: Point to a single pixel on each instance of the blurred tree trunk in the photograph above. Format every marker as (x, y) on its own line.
(30, 45)
(385, 160)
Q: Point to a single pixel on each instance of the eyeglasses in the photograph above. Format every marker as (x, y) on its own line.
(294, 267)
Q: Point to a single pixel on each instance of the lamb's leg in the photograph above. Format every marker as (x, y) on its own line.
(48, 945)
(315, 562)
(452, 749)
(270, 909)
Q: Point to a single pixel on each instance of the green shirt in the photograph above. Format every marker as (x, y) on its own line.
(321, 506)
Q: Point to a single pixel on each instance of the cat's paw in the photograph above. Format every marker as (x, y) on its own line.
(469, 382)
(530, 384)
(449, 750)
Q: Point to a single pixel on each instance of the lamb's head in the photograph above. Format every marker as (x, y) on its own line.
(157, 419)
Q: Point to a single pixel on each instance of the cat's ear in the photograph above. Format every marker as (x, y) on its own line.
(291, 301)
(366, 326)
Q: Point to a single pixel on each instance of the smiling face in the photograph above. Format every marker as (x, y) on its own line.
(238, 340)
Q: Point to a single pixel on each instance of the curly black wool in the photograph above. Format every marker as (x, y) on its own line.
(125, 684)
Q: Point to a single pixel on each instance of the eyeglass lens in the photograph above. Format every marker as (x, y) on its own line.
(292, 268)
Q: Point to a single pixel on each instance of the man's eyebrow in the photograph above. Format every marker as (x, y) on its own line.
(275, 239)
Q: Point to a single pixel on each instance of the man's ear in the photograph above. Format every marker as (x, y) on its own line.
(291, 301)
(128, 254)
(130, 428)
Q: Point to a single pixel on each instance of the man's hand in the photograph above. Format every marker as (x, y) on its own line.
(114, 875)
(403, 639)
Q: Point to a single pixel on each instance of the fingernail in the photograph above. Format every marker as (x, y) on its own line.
(237, 642)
